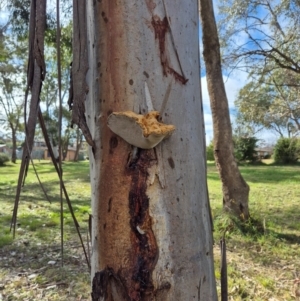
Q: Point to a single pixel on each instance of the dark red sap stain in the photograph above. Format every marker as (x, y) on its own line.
(144, 245)
(161, 27)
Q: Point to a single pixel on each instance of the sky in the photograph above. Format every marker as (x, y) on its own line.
(232, 86)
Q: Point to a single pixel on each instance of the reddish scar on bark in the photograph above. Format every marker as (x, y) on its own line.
(143, 241)
(161, 28)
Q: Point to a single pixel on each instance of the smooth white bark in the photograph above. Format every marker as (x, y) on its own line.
(122, 38)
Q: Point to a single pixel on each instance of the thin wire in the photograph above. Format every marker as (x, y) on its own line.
(49, 146)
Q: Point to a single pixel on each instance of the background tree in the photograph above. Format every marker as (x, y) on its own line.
(235, 189)
(244, 148)
(271, 102)
(210, 151)
(12, 79)
(260, 35)
(49, 95)
(3, 159)
(262, 38)
(287, 150)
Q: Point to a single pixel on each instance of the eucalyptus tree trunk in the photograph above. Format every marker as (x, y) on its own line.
(150, 227)
(235, 189)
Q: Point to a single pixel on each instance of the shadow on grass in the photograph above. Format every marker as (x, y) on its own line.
(41, 223)
(287, 237)
(9, 165)
(71, 170)
(33, 248)
(278, 224)
(33, 191)
(262, 173)
(271, 175)
(255, 228)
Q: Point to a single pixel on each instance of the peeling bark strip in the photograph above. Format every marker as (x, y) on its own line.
(161, 27)
(79, 69)
(144, 245)
(35, 75)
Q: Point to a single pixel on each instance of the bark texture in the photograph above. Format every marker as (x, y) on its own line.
(235, 189)
(151, 232)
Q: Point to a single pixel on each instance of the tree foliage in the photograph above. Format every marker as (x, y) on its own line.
(287, 150)
(210, 152)
(270, 103)
(12, 78)
(3, 159)
(262, 38)
(20, 13)
(261, 34)
(244, 148)
(18, 24)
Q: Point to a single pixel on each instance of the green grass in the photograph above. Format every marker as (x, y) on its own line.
(265, 259)
(263, 256)
(38, 235)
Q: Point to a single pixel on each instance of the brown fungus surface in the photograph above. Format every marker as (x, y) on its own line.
(143, 131)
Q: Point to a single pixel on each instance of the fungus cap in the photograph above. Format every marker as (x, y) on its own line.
(143, 131)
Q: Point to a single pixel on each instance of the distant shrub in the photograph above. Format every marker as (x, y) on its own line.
(3, 159)
(210, 152)
(244, 148)
(267, 156)
(287, 150)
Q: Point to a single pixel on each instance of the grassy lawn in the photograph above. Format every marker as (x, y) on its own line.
(30, 265)
(261, 265)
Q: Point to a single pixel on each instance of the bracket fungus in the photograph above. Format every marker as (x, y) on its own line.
(143, 131)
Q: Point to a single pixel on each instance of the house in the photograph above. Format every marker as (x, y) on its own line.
(264, 152)
(70, 156)
(4, 149)
(40, 152)
(39, 144)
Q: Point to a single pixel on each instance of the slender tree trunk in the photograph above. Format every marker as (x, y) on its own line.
(65, 147)
(151, 231)
(78, 144)
(14, 145)
(235, 189)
